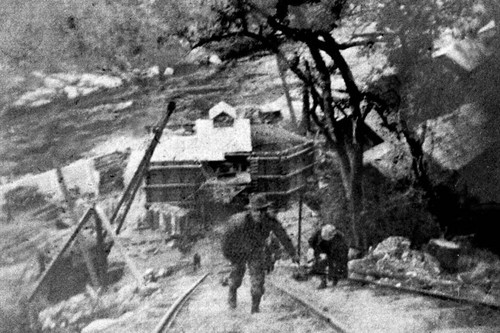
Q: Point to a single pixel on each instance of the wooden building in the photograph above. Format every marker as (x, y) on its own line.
(222, 160)
(280, 163)
(183, 162)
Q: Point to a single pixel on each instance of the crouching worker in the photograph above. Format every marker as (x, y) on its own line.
(244, 245)
(330, 254)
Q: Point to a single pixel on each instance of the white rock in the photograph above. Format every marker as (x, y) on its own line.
(152, 72)
(69, 78)
(31, 96)
(40, 102)
(103, 81)
(198, 55)
(214, 60)
(71, 91)
(38, 74)
(99, 325)
(162, 272)
(87, 91)
(148, 289)
(168, 71)
(54, 83)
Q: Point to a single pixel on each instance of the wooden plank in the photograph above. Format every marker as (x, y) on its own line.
(133, 186)
(167, 167)
(282, 155)
(118, 242)
(169, 186)
(84, 219)
(289, 175)
(102, 257)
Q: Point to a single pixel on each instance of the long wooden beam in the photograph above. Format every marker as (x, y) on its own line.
(84, 219)
(79, 241)
(128, 196)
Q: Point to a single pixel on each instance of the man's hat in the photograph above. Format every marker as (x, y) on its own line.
(258, 201)
(328, 232)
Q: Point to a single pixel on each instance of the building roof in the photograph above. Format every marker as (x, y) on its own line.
(222, 107)
(274, 138)
(208, 143)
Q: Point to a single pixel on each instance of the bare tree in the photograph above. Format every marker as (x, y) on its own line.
(339, 120)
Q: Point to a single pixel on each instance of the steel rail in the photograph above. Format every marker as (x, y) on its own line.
(168, 318)
(337, 326)
(433, 294)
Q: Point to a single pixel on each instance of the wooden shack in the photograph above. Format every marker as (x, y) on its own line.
(280, 163)
(175, 182)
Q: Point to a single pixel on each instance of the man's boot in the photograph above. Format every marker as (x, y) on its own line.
(255, 304)
(232, 298)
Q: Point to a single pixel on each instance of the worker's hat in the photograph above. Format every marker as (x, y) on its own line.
(328, 232)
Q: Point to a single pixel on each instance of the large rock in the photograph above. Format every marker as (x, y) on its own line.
(99, 325)
(393, 246)
(198, 55)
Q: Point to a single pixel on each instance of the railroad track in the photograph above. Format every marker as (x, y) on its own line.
(280, 289)
(168, 319)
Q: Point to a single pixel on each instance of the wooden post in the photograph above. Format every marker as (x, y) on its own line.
(102, 259)
(299, 233)
(282, 72)
(117, 241)
(87, 257)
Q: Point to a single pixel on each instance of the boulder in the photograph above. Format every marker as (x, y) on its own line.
(393, 246)
(147, 290)
(152, 72)
(214, 59)
(99, 325)
(198, 55)
(168, 71)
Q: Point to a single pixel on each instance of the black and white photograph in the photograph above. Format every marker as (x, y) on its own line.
(249, 166)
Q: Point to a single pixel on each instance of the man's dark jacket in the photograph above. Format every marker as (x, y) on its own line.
(336, 249)
(245, 239)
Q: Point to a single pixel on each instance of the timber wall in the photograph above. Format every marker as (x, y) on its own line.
(173, 182)
(281, 174)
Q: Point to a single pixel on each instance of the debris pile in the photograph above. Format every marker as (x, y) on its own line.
(78, 311)
(394, 258)
(394, 263)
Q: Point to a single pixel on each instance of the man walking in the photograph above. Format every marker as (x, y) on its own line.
(329, 243)
(243, 244)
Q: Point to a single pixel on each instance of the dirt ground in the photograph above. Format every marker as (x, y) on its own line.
(356, 307)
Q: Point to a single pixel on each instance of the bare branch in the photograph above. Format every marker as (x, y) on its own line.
(217, 38)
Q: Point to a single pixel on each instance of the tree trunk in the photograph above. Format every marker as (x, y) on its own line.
(282, 73)
(327, 100)
(305, 124)
(356, 202)
(354, 143)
